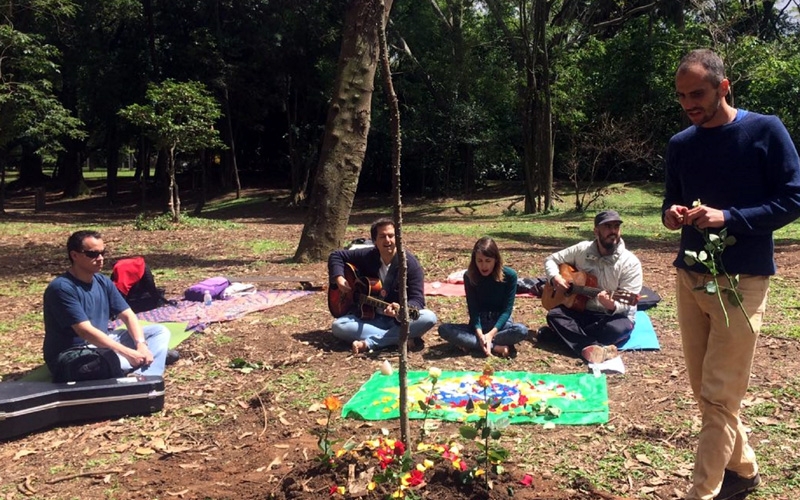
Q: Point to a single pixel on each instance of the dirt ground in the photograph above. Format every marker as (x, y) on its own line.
(226, 434)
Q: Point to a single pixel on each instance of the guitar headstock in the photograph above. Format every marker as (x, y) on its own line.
(627, 298)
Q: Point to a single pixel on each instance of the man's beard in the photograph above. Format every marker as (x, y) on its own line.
(610, 245)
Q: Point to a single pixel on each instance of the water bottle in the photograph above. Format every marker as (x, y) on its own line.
(207, 298)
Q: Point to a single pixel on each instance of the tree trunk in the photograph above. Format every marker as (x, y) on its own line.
(299, 164)
(30, 170)
(345, 140)
(233, 166)
(174, 199)
(2, 187)
(142, 174)
(112, 163)
(538, 195)
(70, 170)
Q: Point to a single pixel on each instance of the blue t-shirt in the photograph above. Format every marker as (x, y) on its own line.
(68, 301)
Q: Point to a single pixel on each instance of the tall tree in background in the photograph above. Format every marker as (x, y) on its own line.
(177, 117)
(527, 37)
(345, 140)
(34, 125)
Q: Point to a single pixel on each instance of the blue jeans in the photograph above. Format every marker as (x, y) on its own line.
(381, 331)
(463, 336)
(157, 338)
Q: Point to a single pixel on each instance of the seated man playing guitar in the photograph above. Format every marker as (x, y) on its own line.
(592, 292)
(364, 293)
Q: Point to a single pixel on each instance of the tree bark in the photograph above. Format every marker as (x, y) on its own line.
(112, 162)
(345, 140)
(172, 191)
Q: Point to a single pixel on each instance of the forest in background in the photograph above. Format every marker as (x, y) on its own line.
(483, 86)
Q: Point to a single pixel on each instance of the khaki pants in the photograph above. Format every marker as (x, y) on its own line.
(718, 361)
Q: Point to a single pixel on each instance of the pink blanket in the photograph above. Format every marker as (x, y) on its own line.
(453, 289)
(198, 316)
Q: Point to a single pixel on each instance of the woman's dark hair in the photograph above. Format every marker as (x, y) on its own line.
(488, 248)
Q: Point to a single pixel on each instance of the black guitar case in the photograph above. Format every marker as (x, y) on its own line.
(31, 406)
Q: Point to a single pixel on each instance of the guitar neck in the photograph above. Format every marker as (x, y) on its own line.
(617, 296)
(380, 305)
(373, 302)
(587, 291)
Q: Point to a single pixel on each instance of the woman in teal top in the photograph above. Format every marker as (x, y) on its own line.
(491, 289)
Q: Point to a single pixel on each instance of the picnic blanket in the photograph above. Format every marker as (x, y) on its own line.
(447, 289)
(582, 398)
(197, 316)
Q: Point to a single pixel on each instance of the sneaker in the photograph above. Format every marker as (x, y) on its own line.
(173, 356)
(734, 485)
(598, 353)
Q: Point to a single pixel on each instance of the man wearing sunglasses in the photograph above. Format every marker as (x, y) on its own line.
(79, 303)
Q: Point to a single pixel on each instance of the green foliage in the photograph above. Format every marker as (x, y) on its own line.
(29, 109)
(178, 116)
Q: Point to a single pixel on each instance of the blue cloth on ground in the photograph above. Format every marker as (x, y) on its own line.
(643, 336)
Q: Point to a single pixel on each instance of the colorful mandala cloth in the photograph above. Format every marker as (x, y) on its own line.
(520, 396)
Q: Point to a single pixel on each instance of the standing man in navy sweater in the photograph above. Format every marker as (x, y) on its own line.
(744, 170)
(380, 261)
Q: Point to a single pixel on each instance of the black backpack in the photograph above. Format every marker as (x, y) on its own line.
(87, 363)
(143, 295)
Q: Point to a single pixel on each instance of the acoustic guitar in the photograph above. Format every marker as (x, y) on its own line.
(582, 287)
(361, 299)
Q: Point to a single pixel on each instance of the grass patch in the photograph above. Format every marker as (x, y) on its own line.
(784, 293)
(241, 203)
(285, 320)
(306, 386)
(776, 438)
(27, 321)
(270, 246)
(223, 339)
(164, 222)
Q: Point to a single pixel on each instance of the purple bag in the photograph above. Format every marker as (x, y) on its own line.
(215, 286)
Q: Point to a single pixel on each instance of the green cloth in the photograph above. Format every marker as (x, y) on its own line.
(177, 335)
(581, 398)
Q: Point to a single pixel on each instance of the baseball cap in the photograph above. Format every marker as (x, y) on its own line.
(606, 216)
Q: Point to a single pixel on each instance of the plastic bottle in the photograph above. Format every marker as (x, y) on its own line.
(207, 298)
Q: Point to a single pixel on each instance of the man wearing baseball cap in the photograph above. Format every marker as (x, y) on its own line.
(592, 321)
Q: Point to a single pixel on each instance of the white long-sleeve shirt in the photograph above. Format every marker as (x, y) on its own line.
(620, 270)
